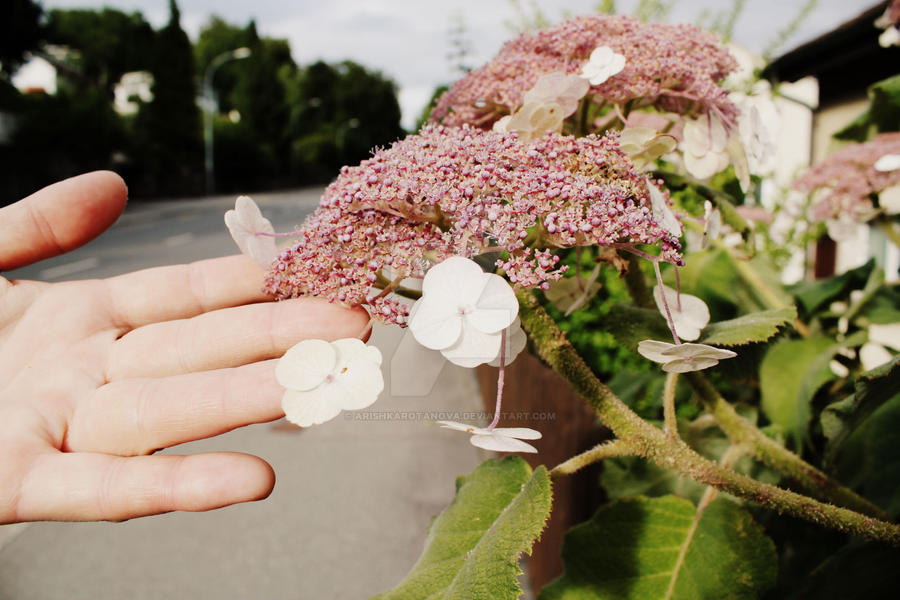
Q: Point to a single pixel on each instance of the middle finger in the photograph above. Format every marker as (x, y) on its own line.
(229, 337)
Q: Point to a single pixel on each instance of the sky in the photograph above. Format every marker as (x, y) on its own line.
(409, 40)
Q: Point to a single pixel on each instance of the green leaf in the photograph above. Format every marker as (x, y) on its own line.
(630, 325)
(867, 570)
(869, 461)
(626, 477)
(813, 295)
(884, 306)
(883, 113)
(872, 389)
(791, 373)
(662, 548)
(755, 327)
(472, 548)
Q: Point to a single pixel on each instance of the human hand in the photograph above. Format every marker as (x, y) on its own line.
(97, 375)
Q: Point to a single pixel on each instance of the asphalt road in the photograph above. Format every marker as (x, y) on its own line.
(354, 496)
(153, 234)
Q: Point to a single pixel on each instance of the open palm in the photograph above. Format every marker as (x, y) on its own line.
(97, 375)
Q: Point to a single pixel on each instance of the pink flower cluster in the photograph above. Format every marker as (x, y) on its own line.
(463, 191)
(674, 68)
(849, 179)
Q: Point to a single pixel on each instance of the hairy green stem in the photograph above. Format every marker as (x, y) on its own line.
(740, 431)
(651, 443)
(597, 453)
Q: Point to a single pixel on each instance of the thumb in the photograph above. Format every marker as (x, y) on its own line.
(60, 218)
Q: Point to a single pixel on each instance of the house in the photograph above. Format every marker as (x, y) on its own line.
(845, 62)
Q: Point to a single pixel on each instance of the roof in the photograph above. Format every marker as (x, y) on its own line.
(845, 60)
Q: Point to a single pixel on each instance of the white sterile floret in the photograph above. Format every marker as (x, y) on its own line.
(872, 355)
(534, 120)
(662, 214)
(571, 293)
(889, 200)
(499, 439)
(322, 379)
(245, 223)
(644, 145)
(888, 162)
(889, 37)
(682, 358)
(603, 63)
(690, 314)
(705, 146)
(559, 88)
(463, 312)
(712, 223)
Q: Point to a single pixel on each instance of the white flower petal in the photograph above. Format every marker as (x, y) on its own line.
(662, 214)
(461, 426)
(873, 355)
(501, 124)
(888, 162)
(523, 433)
(496, 307)
(686, 366)
(693, 316)
(308, 408)
(738, 154)
(244, 223)
(354, 349)
(889, 199)
(444, 278)
(306, 365)
(558, 88)
(602, 64)
(653, 350)
(697, 350)
(889, 37)
(434, 322)
(473, 348)
(357, 385)
(705, 166)
(500, 443)
(886, 335)
(516, 340)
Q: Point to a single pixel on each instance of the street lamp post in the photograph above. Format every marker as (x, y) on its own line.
(209, 110)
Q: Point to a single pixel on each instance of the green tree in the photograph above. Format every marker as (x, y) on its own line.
(339, 113)
(252, 150)
(105, 44)
(167, 129)
(20, 31)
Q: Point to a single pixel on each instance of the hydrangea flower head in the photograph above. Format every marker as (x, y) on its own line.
(462, 192)
(673, 68)
(849, 179)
